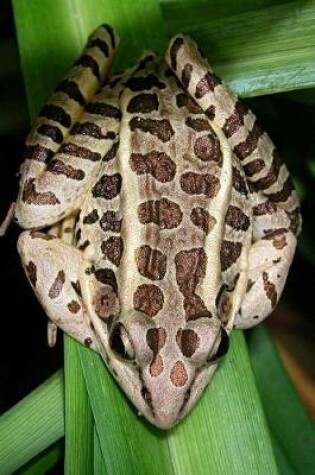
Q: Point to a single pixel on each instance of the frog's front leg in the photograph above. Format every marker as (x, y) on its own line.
(69, 139)
(53, 267)
(275, 206)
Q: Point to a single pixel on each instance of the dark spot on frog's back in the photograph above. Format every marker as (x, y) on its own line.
(160, 128)
(202, 219)
(31, 270)
(188, 341)
(200, 184)
(81, 152)
(156, 338)
(143, 103)
(164, 213)
(157, 164)
(190, 268)
(229, 253)
(237, 219)
(186, 74)
(108, 186)
(142, 83)
(149, 299)
(183, 100)
(195, 308)
(207, 147)
(151, 263)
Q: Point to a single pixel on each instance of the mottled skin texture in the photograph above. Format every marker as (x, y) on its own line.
(179, 219)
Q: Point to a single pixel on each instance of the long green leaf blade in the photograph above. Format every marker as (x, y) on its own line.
(32, 425)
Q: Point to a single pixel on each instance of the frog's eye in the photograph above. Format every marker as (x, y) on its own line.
(222, 347)
(121, 343)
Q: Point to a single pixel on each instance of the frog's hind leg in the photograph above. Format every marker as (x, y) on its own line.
(69, 139)
(52, 267)
(275, 206)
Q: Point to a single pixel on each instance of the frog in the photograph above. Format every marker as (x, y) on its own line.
(179, 219)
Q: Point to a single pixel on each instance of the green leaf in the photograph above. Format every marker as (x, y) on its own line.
(32, 425)
(263, 51)
(291, 426)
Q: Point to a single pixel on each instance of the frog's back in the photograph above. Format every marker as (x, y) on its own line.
(169, 216)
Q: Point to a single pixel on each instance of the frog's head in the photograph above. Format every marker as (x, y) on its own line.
(162, 370)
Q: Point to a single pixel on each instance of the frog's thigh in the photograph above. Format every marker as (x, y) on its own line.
(52, 267)
(269, 261)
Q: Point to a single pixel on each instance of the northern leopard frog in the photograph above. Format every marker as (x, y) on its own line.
(184, 219)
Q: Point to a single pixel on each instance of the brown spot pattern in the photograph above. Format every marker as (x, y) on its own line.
(58, 167)
(229, 253)
(81, 152)
(199, 125)
(149, 299)
(237, 219)
(105, 110)
(272, 175)
(31, 196)
(183, 100)
(195, 308)
(151, 263)
(186, 75)
(236, 119)
(208, 148)
(278, 238)
(190, 268)
(108, 186)
(295, 220)
(245, 148)
(177, 44)
(178, 374)
(200, 184)
(164, 213)
(264, 208)
(284, 194)
(38, 153)
(156, 366)
(31, 271)
(112, 248)
(158, 164)
(91, 218)
(107, 277)
(105, 302)
(254, 167)
(143, 103)
(111, 221)
(207, 84)
(142, 83)
(160, 128)
(270, 290)
(57, 285)
(188, 341)
(156, 338)
(74, 306)
(238, 182)
(202, 219)
(91, 129)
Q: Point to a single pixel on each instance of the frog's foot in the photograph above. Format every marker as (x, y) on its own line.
(52, 267)
(269, 260)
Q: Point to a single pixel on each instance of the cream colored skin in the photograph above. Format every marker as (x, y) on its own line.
(53, 265)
